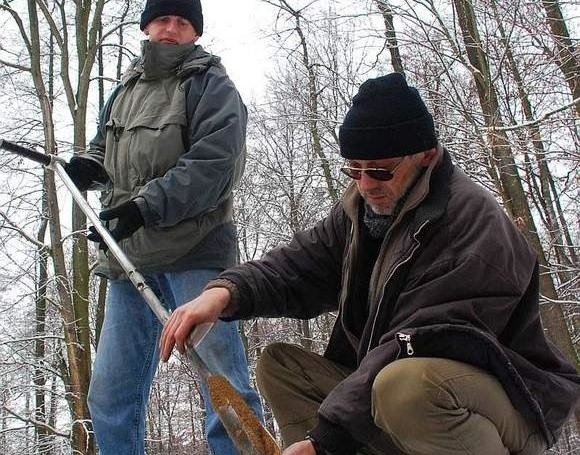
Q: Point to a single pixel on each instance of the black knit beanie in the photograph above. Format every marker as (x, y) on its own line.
(189, 9)
(387, 119)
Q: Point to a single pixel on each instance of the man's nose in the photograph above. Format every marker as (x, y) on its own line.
(171, 26)
(367, 182)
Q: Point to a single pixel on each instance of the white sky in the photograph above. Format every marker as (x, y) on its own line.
(236, 30)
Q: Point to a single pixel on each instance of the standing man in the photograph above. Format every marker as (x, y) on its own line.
(438, 347)
(169, 149)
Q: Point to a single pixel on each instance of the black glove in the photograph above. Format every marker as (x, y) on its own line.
(83, 172)
(129, 219)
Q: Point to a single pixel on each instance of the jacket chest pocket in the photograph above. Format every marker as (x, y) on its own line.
(155, 145)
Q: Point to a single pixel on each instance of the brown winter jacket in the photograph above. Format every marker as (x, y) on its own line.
(454, 279)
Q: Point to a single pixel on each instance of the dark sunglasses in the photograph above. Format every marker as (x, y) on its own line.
(376, 173)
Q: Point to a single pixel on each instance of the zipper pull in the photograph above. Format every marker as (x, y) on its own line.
(404, 338)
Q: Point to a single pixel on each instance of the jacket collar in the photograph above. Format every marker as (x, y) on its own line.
(196, 60)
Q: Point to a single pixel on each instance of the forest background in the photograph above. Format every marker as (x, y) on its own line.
(502, 78)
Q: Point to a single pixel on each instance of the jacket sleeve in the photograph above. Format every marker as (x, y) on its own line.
(299, 280)
(97, 145)
(96, 151)
(204, 176)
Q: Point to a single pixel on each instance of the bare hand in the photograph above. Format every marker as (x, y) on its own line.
(205, 308)
(300, 448)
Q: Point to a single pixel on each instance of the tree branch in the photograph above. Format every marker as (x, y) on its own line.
(538, 120)
(36, 423)
(15, 65)
(14, 227)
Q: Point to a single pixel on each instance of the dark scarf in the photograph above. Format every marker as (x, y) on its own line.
(377, 224)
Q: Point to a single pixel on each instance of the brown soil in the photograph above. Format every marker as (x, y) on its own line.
(222, 395)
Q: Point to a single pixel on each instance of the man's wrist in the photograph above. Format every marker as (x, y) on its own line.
(231, 306)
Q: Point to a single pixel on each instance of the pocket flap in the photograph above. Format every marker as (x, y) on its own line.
(157, 122)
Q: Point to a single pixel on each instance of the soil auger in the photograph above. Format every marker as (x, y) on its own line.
(244, 428)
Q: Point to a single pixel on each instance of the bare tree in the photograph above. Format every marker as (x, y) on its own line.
(59, 46)
(567, 52)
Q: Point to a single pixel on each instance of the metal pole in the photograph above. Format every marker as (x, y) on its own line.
(136, 278)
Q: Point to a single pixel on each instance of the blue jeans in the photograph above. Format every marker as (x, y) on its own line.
(127, 357)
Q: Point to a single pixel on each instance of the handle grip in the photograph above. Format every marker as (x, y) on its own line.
(25, 152)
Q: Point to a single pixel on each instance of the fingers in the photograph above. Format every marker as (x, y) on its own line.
(115, 212)
(118, 233)
(176, 331)
(94, 236)
(182, 331)
(300, 448)
(205, 308)
(167, 341)
(128, 217)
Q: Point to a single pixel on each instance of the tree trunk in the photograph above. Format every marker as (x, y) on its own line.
(566, 57)
(100, 309)
(305, 334)
(556, 225)
(313, 112)
(512, 190)
(81, 436)
(390, 35)
(39, 379)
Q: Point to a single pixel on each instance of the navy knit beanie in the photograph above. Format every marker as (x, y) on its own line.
(387, 119)
(189, 9)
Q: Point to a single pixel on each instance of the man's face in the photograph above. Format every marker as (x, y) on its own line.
(383, 196)
(171, 30)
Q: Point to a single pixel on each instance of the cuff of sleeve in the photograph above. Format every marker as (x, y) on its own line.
(149, 217)
(231, 309)
(332, 438)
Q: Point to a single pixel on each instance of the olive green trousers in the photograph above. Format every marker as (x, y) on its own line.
(424, 405)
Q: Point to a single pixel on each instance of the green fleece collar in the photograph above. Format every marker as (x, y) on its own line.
(159, 60)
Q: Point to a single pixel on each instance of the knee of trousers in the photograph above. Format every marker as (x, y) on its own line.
(269, 368)
(403, 396)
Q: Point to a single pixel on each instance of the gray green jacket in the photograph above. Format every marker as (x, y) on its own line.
(172, 138)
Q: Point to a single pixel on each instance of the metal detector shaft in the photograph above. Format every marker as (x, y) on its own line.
(132, 274)
(25, 152)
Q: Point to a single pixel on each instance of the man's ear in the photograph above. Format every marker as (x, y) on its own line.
(146, 30)
(428, 156)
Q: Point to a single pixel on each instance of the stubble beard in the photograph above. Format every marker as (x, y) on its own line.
(383, 209)
(391, 201)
